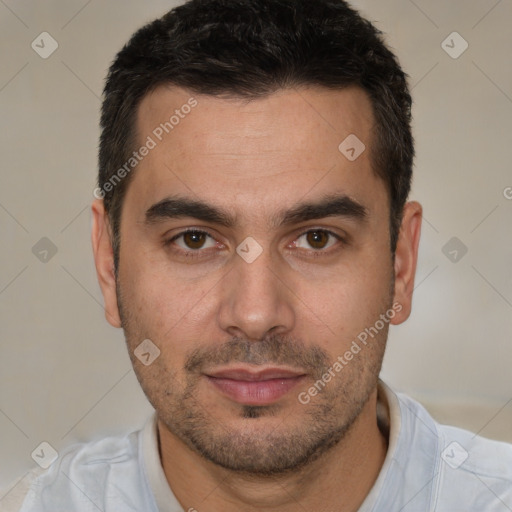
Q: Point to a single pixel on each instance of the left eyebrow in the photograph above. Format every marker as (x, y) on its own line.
(329, 206)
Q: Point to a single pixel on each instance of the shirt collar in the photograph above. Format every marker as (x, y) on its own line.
(163, 496)
(408, 476)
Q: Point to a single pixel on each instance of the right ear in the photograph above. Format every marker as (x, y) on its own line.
(104, 261)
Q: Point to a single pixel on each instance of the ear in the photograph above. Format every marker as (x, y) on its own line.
(104, 261)
(406, 257)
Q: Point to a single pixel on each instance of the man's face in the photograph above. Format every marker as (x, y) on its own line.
(243, 334)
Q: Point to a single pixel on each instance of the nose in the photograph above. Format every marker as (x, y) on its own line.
(256, 299)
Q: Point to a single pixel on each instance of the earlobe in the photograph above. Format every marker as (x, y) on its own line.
(104, 261)
(406, 258)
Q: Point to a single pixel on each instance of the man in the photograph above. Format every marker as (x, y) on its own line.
(252, 237)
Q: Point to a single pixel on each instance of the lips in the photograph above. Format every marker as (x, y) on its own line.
(255, 387)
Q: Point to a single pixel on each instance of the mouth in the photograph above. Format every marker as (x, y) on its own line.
(248, 386)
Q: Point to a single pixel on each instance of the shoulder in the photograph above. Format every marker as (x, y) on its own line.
(480, 468)
(103, 474)
(12, 500)
(469, 471)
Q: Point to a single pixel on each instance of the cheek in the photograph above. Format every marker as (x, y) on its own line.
(164, 308)
(350, 298)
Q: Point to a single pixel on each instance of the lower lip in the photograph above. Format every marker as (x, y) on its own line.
(261, 392)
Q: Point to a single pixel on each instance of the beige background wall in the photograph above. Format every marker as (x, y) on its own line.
(64, 372)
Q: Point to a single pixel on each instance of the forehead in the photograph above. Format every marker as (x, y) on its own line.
(306, 115)
(284, 145)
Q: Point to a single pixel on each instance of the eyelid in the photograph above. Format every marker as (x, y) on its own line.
(338, 237)
(324, 230)
(341, 240)
(190, 254)
(201, 231)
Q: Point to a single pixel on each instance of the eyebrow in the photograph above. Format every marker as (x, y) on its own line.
(330, 206)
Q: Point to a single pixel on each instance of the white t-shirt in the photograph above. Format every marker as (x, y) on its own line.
(428, 467)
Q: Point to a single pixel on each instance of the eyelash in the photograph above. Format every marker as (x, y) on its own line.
(197, 253)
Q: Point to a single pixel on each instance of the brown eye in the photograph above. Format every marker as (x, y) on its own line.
(317, 239)
(194, 239)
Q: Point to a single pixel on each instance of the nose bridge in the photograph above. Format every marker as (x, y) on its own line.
(255, 300)
(258, 276)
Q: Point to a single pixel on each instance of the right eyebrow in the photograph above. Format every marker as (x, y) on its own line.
(176, 207)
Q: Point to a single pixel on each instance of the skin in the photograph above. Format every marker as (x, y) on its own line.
(299, 305)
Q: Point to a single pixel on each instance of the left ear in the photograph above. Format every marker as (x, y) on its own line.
(406, 257)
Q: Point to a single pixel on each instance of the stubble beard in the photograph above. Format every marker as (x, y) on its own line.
(258, 448)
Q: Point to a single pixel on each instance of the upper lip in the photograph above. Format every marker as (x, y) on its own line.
(245, 374)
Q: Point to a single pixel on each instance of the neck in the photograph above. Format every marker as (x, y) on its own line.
(339, 480)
